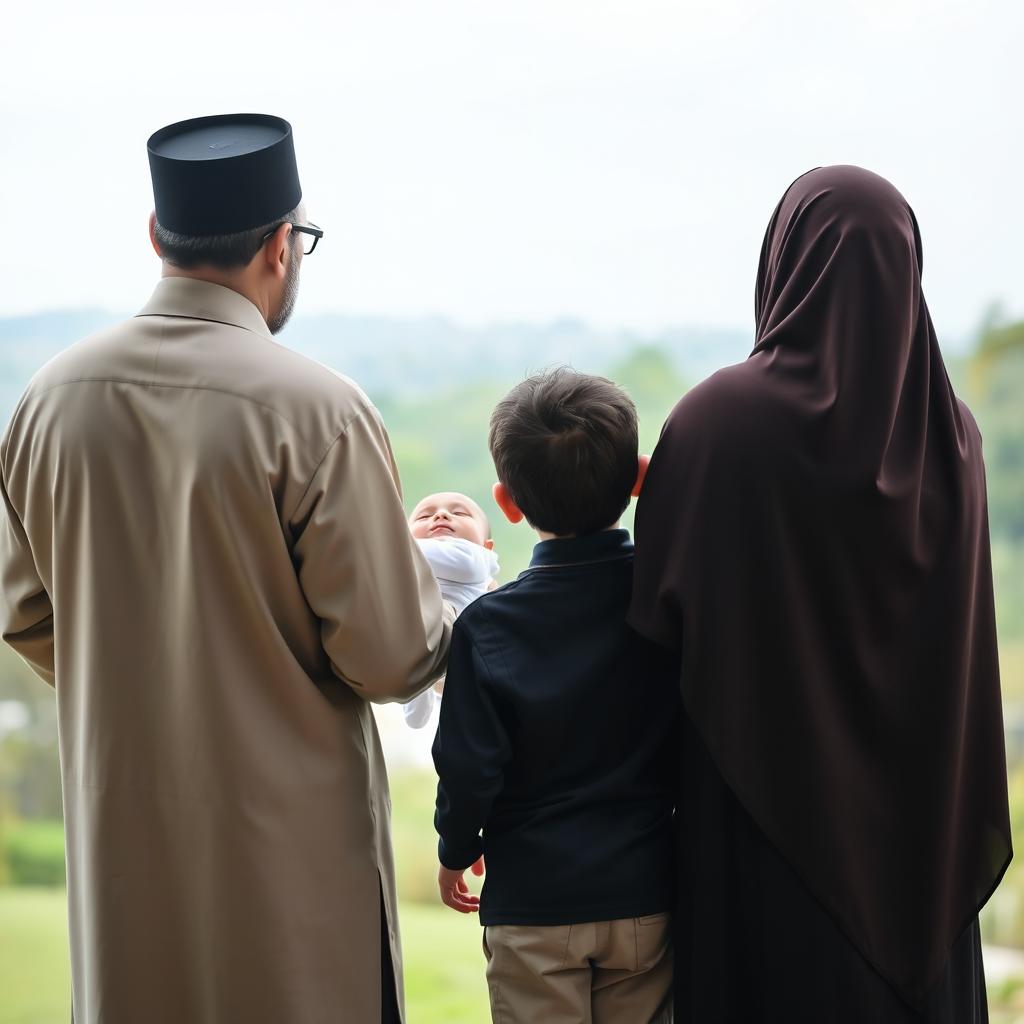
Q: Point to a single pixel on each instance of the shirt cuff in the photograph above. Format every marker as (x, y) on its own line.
(458, 858)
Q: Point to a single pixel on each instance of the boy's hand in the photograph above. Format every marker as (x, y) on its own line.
(454, 891)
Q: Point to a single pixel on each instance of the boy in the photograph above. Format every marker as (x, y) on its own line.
(557, 731)
(455, 536)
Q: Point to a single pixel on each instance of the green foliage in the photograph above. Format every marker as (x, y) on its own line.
(653, 382)
(997, 340)
(1008, 574)
(999, 409)
(1001, 338)
(1011, 666)
(33, 852)
(440, 444)
(29, 769)
(29, 774)
(1003, 917)
(413, 835)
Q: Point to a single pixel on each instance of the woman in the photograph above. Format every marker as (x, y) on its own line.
(813, 539)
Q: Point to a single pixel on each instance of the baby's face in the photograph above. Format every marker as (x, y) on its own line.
(449, 514)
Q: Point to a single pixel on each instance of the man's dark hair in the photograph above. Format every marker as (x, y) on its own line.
(225, 252)
(564, 445)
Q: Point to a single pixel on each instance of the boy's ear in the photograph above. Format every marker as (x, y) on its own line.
(642, 462)
(509, 509)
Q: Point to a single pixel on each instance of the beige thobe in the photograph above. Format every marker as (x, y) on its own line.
(204, 550)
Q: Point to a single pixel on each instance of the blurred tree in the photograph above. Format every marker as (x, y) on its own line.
(651, 378)
(997, 338)
(29, 764)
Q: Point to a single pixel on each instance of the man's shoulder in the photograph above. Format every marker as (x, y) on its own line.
(222, 359)
(296, 378)
(78, 361)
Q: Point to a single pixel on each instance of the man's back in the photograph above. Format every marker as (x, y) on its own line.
(557, 737)
(216, 523)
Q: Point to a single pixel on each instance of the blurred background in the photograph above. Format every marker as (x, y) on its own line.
(506, 187)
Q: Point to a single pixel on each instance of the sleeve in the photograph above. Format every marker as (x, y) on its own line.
(470, 750)
(418, 711)
(383, 623)
(460, 572)
(26, 614)
(459, 561)
(449, 560)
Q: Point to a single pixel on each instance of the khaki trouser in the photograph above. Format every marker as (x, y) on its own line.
(604, 972)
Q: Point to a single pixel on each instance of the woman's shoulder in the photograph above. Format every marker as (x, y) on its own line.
(733, 406)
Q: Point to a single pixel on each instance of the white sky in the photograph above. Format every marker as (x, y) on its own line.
(616, 161)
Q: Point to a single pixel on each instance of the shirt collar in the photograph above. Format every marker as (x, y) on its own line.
(605, 546)
(204, 300)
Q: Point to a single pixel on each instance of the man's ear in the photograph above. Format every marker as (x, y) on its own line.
(276, 250)
(642, 462)
(509, 509)
(152, 234)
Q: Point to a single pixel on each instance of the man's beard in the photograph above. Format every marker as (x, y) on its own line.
(288, 296)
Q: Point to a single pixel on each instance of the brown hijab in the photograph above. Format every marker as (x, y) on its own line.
(813, 537)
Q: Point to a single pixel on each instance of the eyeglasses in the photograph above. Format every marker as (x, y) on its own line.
(308, 244)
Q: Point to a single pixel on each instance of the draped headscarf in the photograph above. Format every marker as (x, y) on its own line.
(813, 537)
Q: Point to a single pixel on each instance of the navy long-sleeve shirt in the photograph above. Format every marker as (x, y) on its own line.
(557, 740)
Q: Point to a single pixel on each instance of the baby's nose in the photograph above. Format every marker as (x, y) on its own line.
(442, 513)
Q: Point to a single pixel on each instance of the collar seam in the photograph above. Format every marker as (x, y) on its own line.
(209, 320)
(624, 556)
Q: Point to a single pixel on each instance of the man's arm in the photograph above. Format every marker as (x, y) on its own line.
(383, 624)
(470, 750)
(26, 614)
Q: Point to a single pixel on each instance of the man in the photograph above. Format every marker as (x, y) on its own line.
(205, 552)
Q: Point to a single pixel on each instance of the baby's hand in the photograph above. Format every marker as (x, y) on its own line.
(454, 891)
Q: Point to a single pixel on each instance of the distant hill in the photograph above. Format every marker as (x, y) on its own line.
(399, 358)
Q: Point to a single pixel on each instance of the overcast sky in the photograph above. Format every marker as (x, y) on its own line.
(527, 160)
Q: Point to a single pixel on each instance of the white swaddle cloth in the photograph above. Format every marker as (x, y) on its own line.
(463, 571)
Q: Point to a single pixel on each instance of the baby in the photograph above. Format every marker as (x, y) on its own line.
(455, 536)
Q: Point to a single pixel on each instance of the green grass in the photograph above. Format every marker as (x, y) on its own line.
(35, 973)
(444, 965)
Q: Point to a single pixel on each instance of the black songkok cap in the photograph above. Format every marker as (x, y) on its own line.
(222, 174)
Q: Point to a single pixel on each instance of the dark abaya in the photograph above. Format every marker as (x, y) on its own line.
(753, 946)
(813, 538)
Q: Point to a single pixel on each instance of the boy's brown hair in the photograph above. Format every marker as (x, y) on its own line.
(564, 446)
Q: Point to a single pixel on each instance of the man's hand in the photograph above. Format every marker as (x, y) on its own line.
(454, 891)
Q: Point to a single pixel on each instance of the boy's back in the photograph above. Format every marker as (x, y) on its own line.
(556, 738)
(557, 729)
